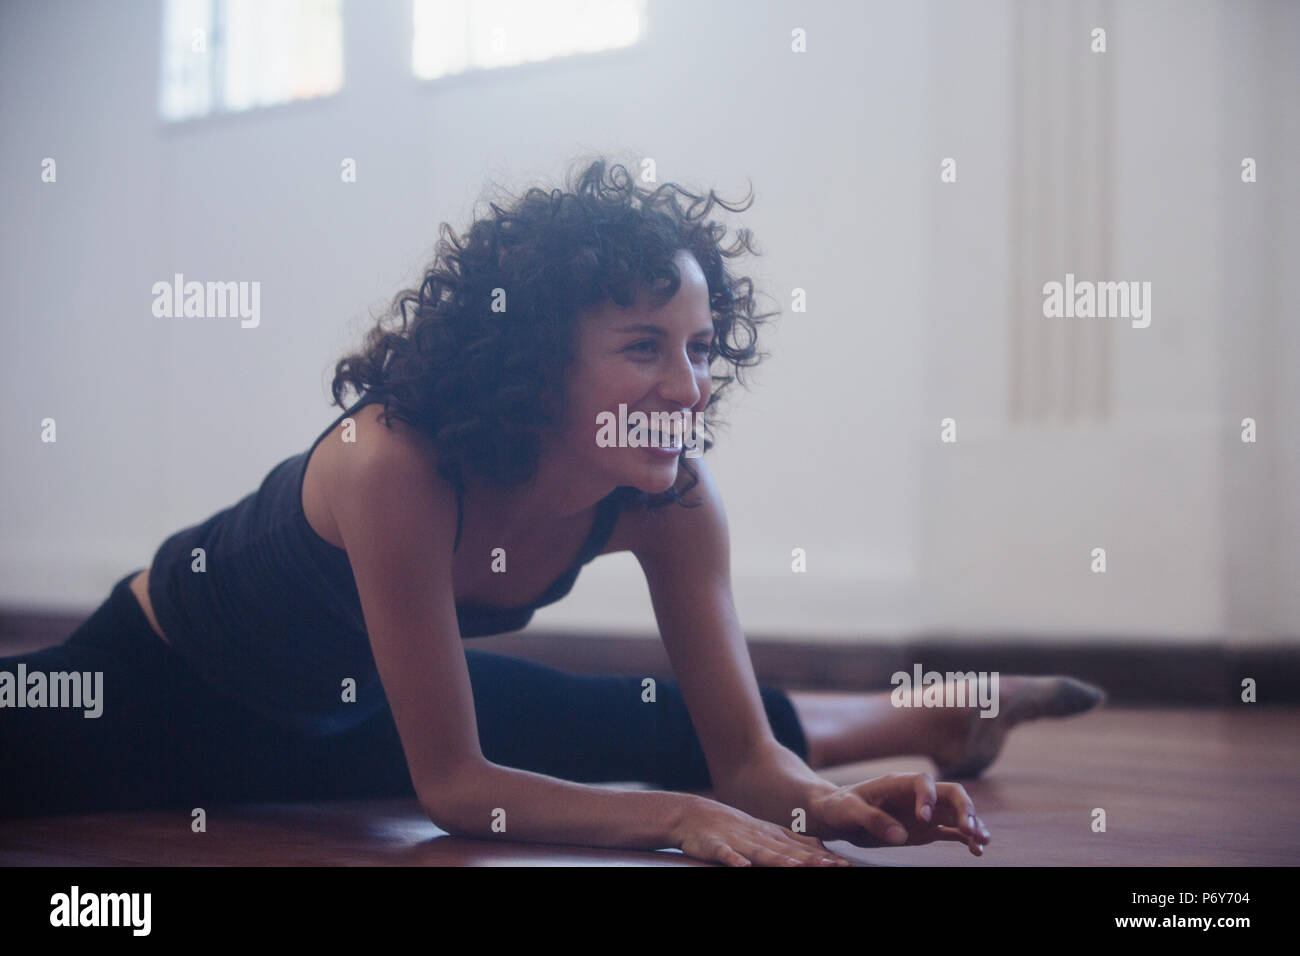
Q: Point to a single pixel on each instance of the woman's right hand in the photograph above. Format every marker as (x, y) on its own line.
(712, 831)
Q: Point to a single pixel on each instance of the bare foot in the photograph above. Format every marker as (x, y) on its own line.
(966, 743)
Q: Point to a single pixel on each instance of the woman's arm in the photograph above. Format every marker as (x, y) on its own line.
(397, 519)
(685, 553)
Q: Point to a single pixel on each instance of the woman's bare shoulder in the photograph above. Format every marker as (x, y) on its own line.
(391, 458)
(365, 439)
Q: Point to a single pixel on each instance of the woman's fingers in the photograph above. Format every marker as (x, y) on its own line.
(769, 855)
(804, 838)
(774, 846)
(793, 846)
(897, 790)
(817, 846)
(955, 835)
(725, 835)
(887, 788)
(858, 812)
(932, 804)
(894, 788)
(956, 808)
(725, 854)
(926, 796)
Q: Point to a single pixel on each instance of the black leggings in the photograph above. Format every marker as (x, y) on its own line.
(170, 741)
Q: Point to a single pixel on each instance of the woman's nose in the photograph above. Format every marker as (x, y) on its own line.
(679, 384)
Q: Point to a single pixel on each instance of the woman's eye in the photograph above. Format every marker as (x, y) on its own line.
(702, 349)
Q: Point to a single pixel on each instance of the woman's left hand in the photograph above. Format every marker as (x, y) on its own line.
(898, 809)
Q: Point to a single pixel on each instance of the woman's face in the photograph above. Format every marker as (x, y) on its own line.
(649, 360)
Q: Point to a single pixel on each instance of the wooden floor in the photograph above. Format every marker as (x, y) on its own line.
(1180, 787)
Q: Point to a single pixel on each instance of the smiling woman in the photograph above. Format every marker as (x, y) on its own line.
(306, 643)
(606, 294)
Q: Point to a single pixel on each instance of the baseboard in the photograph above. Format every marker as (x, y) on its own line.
(1134, 672)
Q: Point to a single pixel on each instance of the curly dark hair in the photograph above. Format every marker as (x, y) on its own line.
(484, 384)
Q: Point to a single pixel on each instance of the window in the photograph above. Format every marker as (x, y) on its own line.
(225, 56)
(456, 36)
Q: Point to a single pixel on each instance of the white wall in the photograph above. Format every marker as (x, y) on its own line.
(916, 293)
(1131, 163)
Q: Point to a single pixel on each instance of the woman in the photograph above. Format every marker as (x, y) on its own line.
(306, 643)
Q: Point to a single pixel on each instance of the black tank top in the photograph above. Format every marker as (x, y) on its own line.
(275, 620)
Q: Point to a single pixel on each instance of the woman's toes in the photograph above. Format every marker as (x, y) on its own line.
(976, 741)
(1053, 697)
(1075, 696)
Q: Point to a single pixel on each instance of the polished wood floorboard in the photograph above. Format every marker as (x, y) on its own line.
(1180, 787)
